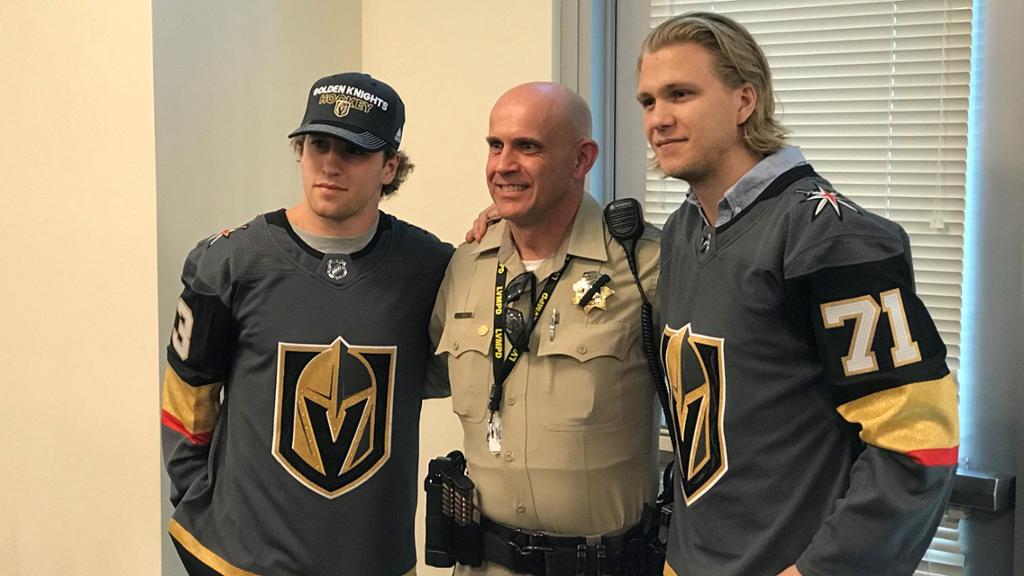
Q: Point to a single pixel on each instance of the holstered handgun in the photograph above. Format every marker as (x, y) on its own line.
(646, 555)
(453, 524)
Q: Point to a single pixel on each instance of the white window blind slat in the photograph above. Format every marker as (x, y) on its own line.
(842, 171)
(793, 60)
(735, 8)
(873, 29)
(872, 106)
(945, 556)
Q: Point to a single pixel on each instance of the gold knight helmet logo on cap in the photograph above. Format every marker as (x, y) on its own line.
(333, 417)
(341, 107)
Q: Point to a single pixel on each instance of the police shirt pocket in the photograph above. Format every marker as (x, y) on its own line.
(583, 367)
(466, 342)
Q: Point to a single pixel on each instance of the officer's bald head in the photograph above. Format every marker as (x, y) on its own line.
(563, 108)
(540, 153)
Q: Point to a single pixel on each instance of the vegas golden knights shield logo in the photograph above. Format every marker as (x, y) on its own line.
(332, 428)
(341, 107)
(695, 370)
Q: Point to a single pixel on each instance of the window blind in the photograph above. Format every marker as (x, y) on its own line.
(875, 93)
(945, 556)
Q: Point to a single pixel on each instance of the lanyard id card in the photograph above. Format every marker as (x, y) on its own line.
(504, 353)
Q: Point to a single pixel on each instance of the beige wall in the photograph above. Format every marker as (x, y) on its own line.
(78, 494)
(450, 66)
(80, 164)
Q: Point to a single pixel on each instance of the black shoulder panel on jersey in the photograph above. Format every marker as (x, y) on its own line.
(202, 344)
(202, 340)
(425, 236)
(872, 331)
(383, 225)
(432, 252)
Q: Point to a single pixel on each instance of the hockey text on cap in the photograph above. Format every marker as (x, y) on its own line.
(342, 104)
(351, 91)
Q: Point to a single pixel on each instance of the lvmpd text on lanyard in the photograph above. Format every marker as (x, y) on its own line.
(504, 354)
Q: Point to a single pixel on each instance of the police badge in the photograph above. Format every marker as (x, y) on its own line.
(592, 291)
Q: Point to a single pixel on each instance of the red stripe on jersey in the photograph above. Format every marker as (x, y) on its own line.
(168, 420)
(936, 456)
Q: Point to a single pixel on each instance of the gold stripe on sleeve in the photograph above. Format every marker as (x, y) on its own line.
(196, 407)
(204, 554)
(918, 416)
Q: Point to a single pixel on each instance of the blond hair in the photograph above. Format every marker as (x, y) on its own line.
(738, 60)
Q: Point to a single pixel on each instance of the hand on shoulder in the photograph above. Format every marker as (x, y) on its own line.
(484, 220)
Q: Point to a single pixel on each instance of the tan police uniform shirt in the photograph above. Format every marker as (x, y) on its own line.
(579, 412)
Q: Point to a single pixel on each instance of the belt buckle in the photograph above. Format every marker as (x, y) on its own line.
(529, 552)
(526, 543)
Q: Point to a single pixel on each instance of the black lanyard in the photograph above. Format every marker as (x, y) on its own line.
(501, 362)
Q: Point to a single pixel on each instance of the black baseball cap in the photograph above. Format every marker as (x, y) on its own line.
(356, 108)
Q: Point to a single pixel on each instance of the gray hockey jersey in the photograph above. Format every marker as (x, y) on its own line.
(817, 418)
(292, 398)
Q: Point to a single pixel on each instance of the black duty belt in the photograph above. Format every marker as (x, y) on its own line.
(543, 554)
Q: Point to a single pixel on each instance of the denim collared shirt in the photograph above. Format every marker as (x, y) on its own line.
(752, 184)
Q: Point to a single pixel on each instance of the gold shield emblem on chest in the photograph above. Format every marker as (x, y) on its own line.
(333, 416)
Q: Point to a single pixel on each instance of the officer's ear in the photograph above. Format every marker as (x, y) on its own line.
(586, 156)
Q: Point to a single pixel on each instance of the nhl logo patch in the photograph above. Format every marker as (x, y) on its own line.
(336, 269)
(332, 425)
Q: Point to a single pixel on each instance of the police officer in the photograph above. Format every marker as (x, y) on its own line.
(545, 359)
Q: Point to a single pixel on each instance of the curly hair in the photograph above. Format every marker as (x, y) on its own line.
(405, 166)
(739, 60)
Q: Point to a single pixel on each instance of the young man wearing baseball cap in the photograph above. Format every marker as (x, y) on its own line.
(298, 359)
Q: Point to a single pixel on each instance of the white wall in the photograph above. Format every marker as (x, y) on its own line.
(450, 65)
(78, 494)
(231, 80)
